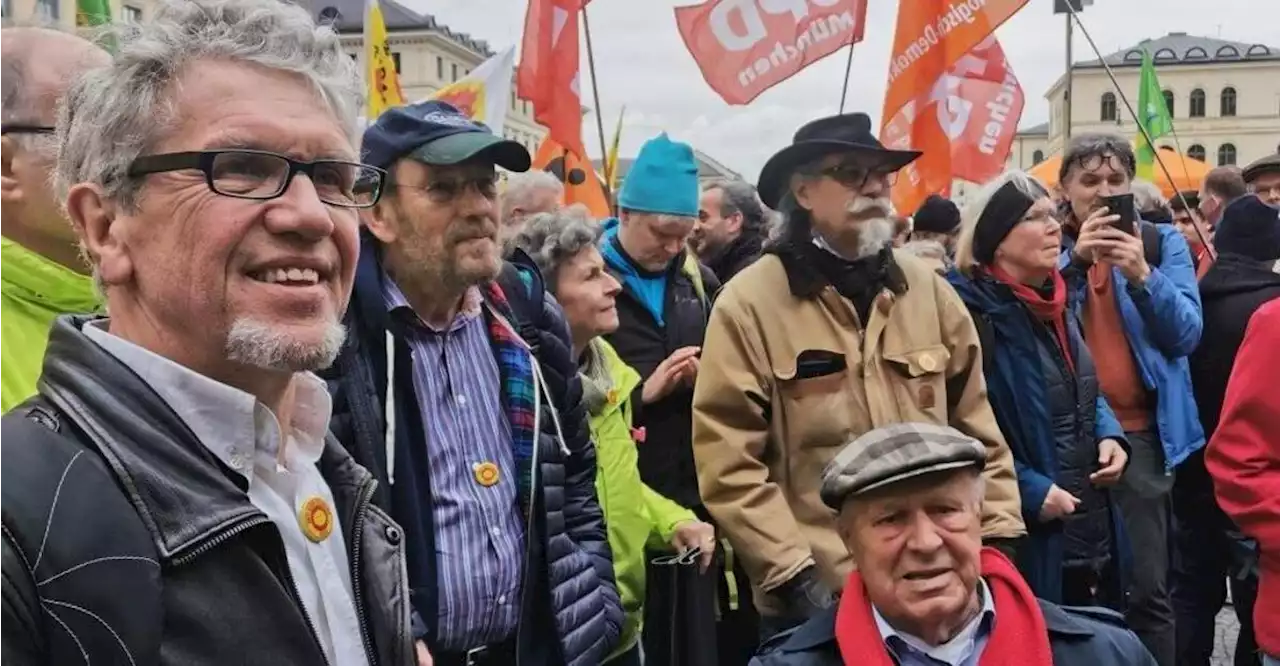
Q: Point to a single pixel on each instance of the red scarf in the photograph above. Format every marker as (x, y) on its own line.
(1018, 638)
(1049, 311)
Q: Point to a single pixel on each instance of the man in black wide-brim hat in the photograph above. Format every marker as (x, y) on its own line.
(832, 333)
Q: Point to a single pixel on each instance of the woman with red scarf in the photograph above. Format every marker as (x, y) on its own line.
(1067, 445)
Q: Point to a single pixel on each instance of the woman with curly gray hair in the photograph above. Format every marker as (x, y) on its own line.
(563, 244)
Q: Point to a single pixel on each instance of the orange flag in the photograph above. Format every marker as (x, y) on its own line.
(548, 72)
(931, 37)
(581, 184)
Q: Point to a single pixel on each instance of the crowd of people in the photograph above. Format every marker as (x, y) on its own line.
(284, 388)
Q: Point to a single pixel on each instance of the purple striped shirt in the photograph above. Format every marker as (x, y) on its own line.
(478, 530)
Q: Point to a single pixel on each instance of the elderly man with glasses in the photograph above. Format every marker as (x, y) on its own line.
(172, 494)
(832, 333)
(461, 393)
(44, 274)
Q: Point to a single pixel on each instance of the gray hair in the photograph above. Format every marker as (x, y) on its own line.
(520, 188)
(739, 196)
(114, 114)
(1097, 144)
(554, 238)
(1026, 183)
(1148, 198)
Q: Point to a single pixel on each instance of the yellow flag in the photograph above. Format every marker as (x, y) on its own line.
(611, 161)
(380, 74)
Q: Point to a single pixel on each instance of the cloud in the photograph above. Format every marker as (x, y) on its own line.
(642, 63)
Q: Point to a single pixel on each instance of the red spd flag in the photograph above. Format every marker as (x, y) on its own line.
(548, 72)
(745, 47)
(964, 124)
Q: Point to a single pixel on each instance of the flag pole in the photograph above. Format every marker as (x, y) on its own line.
(848, 67)
(599, 112)
(1200, 232)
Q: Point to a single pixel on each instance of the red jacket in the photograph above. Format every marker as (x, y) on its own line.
(1244, 459)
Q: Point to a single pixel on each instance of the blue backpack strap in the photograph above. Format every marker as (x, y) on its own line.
(84, 557)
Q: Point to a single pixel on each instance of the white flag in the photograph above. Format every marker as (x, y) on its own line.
(485, 94)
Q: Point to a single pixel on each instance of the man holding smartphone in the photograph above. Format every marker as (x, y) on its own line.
(1141, 312)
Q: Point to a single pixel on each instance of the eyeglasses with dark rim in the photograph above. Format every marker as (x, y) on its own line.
(444, 190)
(20, 128)
(261, 175)
(855, 176)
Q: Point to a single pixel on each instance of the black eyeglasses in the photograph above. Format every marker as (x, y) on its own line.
(855, 176)
(262, 175)
(26, 129)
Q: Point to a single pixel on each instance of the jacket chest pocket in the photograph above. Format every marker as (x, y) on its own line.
(815, 402)
(919, 382)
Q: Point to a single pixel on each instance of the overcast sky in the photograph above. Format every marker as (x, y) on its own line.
(642, 63)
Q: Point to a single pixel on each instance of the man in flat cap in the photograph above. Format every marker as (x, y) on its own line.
(830, 334)
(1262, 177)
(925, 591)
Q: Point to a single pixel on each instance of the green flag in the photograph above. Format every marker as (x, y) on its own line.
(92, 13)
(1153, 114)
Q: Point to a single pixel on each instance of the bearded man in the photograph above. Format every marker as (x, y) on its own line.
(832, 333)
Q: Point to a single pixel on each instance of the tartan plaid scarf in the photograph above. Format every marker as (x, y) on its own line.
(515, 367)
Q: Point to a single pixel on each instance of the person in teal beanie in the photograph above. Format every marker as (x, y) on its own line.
(662, 309)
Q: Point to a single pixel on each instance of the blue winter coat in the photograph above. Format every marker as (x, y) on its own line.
(570, 612)
(1162, 320)
(1018, 392)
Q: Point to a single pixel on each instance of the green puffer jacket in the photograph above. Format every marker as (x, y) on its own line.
(33, 290)
(634, 513)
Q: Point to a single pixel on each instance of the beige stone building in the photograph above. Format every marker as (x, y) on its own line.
(1224, 97)
(429, 55)
(62, 13)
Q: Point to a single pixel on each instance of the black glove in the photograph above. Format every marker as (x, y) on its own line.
(804, 596)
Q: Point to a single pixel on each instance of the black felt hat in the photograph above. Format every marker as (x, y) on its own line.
(847, 133)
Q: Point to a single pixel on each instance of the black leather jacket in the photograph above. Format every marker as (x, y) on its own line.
(126, 541)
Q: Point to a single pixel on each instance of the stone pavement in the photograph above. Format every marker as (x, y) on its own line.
(1225, 637)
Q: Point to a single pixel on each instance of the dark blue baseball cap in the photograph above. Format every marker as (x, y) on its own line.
(437, 133)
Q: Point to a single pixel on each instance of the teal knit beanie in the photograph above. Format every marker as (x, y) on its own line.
(663, 179)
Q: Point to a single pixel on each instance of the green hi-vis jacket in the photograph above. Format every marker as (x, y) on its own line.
(635, 514)
(33, 290)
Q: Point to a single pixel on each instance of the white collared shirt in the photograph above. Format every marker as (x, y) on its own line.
(245, 435)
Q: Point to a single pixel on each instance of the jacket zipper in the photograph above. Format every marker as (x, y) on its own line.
(357, 588)
(227, 535)
(219, 539)
(533, 494)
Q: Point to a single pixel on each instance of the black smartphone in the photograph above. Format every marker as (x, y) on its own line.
(1122, 205)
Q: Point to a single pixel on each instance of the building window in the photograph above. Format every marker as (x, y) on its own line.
(5, 9)
(1197, 104)
(131, 14)
(395, 58)
(1226, 154)
(1108, 107)
(453, 70)
(1168, 101)
(1037, 157)
(440, 68)
(1196, 152)
(1228, 102)
(47, 10)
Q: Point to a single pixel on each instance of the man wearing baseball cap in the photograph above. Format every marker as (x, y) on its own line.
(925, 590)
(457, 388)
